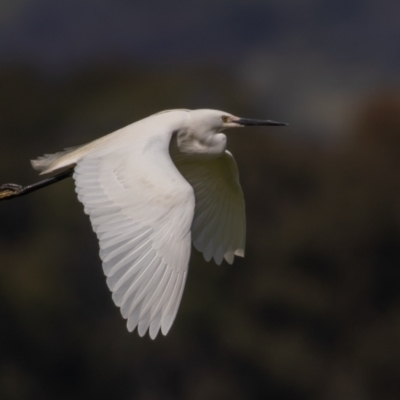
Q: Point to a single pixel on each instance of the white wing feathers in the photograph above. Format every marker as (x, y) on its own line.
(141, 209)
(219, 225)
(144, 210)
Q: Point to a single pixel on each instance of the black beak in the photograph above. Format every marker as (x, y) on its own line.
(258, 122)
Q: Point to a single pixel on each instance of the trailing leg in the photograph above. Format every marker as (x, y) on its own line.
(11, 190)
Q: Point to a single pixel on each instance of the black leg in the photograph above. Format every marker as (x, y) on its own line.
(11, 190)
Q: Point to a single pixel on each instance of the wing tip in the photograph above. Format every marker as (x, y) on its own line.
(239, 252)
(166, 325)
(230, 255)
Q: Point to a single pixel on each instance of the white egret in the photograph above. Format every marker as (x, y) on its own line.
(151, 189)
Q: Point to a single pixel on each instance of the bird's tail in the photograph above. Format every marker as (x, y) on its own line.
(56, 162)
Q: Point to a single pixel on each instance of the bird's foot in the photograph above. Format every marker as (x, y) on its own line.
(9, 190)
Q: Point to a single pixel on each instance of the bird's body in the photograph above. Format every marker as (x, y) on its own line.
(150, 190)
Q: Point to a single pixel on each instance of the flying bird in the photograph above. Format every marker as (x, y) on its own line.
(150, 189)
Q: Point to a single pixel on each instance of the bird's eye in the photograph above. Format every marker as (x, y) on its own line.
(225, 118)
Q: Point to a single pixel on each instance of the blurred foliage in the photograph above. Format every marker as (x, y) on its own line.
(311, 312)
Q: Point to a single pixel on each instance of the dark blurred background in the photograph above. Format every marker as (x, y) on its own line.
(313, 311)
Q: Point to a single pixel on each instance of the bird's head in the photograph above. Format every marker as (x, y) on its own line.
(203, 137)
(217, 121)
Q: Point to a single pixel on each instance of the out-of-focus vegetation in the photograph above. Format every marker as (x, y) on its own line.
(312, 312)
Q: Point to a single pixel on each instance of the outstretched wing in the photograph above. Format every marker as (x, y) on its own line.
(219, 225)
(141, 209)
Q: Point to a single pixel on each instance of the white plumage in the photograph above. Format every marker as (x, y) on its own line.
(151, 189)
